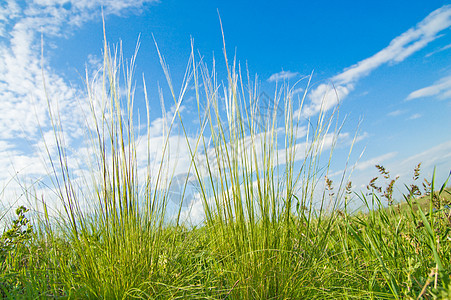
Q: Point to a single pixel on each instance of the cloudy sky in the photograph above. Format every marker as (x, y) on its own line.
(389, 63)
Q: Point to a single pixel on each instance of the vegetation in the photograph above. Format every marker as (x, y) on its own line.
(270, 232)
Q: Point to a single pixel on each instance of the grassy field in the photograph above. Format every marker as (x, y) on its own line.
(266, 234)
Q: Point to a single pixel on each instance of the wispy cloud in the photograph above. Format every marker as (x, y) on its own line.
(395, 113)
(8, 10)
(22, 96)
(283, 75)
(23, 99)
(433, 159)
(439, 50)
(297, 91)
(441, 89)
(437, 156)
(401, 47)
(326, 96)
(415, 116)
(367, 164)
(374, 161)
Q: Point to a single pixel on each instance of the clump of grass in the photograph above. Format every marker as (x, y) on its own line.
(15, 245)
(250, 189)
(268, 232)
(404, 243)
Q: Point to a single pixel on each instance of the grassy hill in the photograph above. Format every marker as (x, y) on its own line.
(439, 201)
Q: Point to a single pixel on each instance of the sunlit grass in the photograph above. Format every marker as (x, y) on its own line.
(273, 227)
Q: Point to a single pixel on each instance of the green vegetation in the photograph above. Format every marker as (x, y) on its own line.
(269, 232)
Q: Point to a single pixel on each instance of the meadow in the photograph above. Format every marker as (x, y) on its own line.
(270, 230)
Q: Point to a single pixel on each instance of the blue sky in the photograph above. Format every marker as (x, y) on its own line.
(389, 61)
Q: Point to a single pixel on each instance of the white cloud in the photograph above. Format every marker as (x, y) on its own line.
(374, 161)
(297, 91)
(395, 113)
(437, 157)
(281, 76)
(415, 116)
(4, 146)
(23, 99)
(22, 96)
(8, 10)
(324, 97)
(21, 82)
(441, 89)
(398, 50)
(402, 46)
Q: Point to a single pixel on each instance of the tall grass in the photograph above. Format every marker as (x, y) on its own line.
(270, 230)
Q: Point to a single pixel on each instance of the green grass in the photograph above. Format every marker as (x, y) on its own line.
(266, 234)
